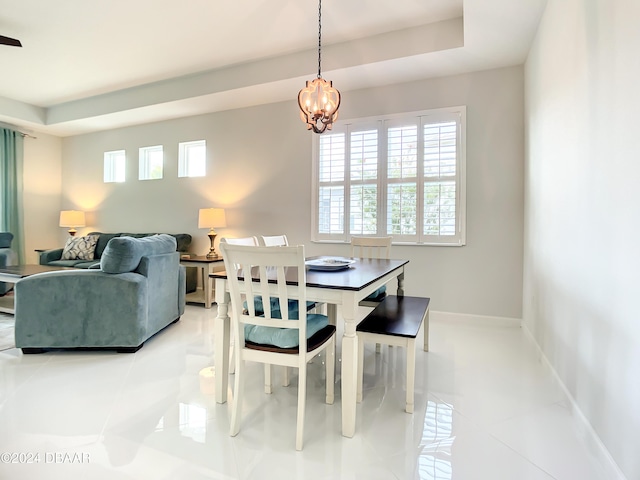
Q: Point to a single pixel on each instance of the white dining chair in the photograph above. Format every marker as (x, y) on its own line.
(290, 341)
(283, 241)
(251, 241)
(372, 247)
(275, 240)
(240, 241)
(314, 307)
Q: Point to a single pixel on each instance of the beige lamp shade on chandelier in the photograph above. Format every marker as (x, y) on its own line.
(212, 218)
(72, 219)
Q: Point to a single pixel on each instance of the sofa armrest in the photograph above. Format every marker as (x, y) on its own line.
(81, 308)
(166, 287)
(50, 256)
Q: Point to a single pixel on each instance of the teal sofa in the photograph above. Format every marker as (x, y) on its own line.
(7, 258)
(54, 257)
(138, 290)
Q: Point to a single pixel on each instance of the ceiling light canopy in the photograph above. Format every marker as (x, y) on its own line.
(319, 100)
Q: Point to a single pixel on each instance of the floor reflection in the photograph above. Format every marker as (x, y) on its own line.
(434, 463)
(191, 422)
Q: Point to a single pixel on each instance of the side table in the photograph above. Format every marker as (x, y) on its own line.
(208, 266)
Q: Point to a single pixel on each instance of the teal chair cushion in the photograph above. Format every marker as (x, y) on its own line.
(378, 293)
(275, 306)
(284, 337)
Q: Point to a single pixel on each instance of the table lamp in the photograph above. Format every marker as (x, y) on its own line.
(72, 219)
(211, 218)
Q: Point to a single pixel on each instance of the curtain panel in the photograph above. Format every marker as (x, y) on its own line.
(11, 158)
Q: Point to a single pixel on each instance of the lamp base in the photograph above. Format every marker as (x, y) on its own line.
(72, 232)
(212, 252)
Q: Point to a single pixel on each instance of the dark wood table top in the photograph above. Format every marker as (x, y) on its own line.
(360, 274)
(21, 271)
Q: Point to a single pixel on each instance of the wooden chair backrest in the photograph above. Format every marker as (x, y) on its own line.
(275, 240)
(371, 247)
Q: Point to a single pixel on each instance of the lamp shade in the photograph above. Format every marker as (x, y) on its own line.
(211, 218)
(72, 218)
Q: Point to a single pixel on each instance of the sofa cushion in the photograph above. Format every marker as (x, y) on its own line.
(123, 254)
(5, 239)
(102, 242)
(79, 248)
(66, 263)
(183, 239)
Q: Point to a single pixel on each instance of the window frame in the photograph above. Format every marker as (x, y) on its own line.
(144, 160)
(184, 160)
(383, 123)
(110, 160)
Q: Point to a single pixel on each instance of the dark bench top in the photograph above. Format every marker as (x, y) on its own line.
(398, 316)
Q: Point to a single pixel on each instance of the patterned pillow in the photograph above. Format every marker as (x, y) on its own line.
(80, 248)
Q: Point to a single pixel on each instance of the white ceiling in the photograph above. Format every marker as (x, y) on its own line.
(93, 65)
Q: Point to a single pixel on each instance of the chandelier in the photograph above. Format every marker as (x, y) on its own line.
(319, 101)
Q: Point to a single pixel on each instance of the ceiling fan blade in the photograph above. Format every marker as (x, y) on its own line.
(10, 41)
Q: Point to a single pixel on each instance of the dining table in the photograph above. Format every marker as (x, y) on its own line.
(344, 287)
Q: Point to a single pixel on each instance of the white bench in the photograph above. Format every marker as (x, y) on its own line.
(395, 321)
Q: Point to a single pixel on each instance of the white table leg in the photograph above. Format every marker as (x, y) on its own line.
(349, 365)
(207, 285)
(222, 335)
(425, 326)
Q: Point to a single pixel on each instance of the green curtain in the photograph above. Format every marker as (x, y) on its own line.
(11, 157)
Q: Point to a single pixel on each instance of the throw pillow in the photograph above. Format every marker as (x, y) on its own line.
(80, 248)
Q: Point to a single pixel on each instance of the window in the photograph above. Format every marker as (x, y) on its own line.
(192, 159)
(151, 162)
(114, 166)
(401, 175)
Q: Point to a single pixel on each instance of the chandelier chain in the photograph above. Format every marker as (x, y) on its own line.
(319, 38)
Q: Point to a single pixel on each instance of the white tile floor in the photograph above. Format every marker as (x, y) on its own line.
(486, 408)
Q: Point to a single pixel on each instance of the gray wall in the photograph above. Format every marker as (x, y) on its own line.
(581, 257)
(259, 169)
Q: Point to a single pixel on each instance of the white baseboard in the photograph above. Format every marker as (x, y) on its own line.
(605, 459)
(471, 319)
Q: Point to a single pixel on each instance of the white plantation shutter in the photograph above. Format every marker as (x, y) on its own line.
(331, 193)
(402, 175)
(440, 154)
(363, 172)
(402, 179)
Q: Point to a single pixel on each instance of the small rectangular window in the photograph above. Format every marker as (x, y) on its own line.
(151, 163)
(192, 159)
(114, 166)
